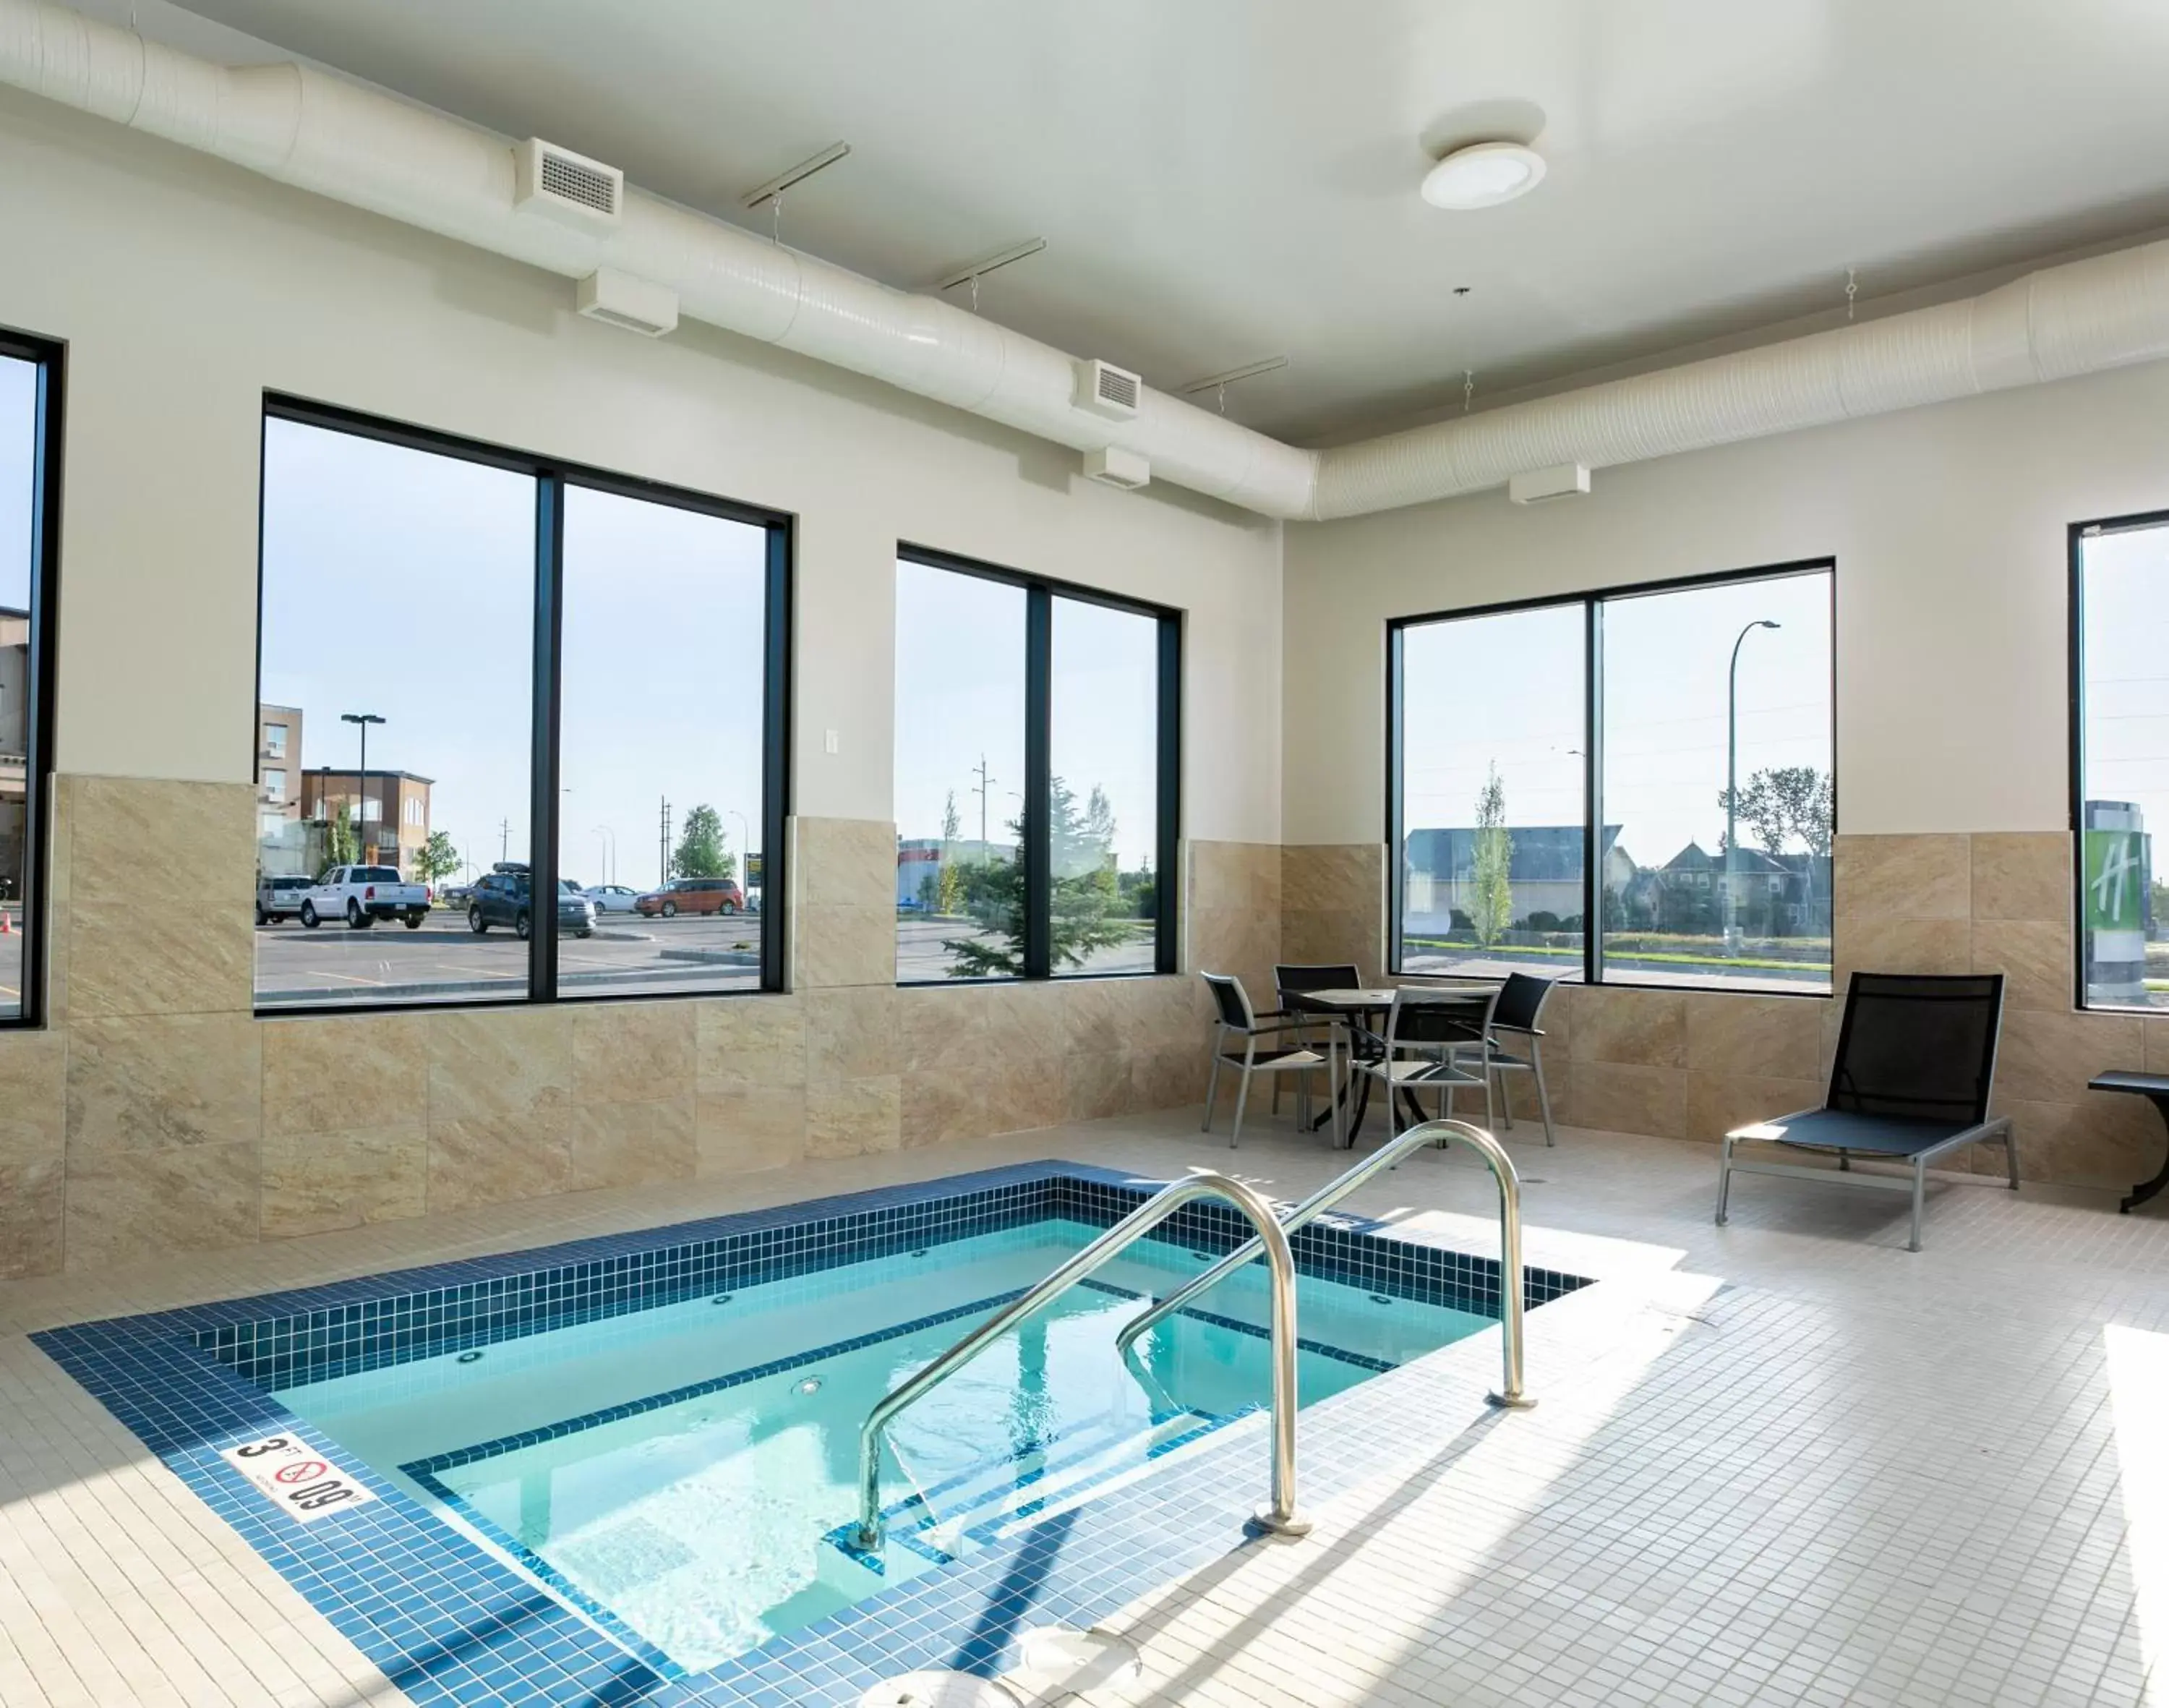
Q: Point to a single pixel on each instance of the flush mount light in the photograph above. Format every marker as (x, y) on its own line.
(1483, 175)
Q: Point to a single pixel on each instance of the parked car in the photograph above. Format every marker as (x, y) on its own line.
(279, 897)
(362, 895)
(502, 898)
(693, 895)
(456, 894)
(612, 898)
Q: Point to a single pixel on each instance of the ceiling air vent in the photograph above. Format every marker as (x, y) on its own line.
(566, 187)
(1108, 390)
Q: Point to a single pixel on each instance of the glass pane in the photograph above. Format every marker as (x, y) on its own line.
(659, 749)
(1103, 819)
(1707, 881)
(1491, 794)
(960, 644)
(18, 488)
(2124, 765)
(398, 588)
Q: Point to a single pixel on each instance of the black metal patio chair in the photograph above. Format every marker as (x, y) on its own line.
(1915, 1068)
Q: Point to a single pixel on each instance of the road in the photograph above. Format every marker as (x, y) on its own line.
(1712, 974)
(443, 961)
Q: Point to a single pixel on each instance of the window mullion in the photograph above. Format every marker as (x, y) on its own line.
(543, 809)
(1038, 746)
(1592, 794)
(775, 761)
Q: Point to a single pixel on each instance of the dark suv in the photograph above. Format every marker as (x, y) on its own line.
(501, 898)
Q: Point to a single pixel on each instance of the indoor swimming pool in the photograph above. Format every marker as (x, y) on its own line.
(633, 1463)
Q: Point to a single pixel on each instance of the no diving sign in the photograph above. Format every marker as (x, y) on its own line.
(296, 1478)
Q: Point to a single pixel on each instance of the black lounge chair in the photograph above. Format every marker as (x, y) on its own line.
(1916, 1061)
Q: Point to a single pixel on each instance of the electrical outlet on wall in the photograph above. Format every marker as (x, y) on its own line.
(829, 742)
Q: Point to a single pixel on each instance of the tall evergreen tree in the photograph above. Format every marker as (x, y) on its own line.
(1085, 904)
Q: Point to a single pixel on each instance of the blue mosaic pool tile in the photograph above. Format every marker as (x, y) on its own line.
(448, 1622)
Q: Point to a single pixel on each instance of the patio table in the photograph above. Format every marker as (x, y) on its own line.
(1345, 1008)
(2155, 1088)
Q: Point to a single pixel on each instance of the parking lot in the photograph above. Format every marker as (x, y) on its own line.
(920, 958)
(443, 961)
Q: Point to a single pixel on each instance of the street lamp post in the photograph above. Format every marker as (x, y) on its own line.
(745, 847)
(1732, 789)
(361, 778)
(609, 854)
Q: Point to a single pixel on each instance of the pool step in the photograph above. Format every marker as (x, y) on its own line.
(949, 1519)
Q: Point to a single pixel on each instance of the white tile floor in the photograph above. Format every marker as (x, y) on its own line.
(1783, 1462)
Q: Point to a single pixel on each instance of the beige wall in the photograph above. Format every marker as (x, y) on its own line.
(156, 1112)
(1948, 529)
(1948, 525)
(186, 290)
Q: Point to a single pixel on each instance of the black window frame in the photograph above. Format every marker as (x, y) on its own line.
(1041, 591)
(49, 357)
(1592, 601)
(553, 476)
(2076, 535)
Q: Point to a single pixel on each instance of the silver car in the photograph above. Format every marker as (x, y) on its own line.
(612, 897)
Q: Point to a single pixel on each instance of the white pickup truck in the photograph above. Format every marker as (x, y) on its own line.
(362, 895)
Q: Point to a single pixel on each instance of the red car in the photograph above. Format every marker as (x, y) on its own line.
(692, 895)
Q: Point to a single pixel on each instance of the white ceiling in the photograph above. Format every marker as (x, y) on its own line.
(1220, 180)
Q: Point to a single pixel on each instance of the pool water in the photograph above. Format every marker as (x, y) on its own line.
(684, 1475)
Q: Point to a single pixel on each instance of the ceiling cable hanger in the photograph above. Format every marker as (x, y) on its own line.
(1467, 389)
(772, 191)
(1852, 289)
(972, 271)
(1218, 383)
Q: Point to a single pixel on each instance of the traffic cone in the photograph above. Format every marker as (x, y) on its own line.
(6, 923)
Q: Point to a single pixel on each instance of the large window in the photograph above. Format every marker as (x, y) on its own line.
(1035, 772)
(529, 718)
(1634, 788)
(29, 489)
(2120, 765)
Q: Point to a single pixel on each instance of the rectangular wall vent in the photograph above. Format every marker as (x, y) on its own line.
(621, 299)
(1543, 486)
(1108, 390)
(1112, 466)
(566, 187)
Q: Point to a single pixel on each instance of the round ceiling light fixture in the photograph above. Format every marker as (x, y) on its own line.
(1483, 175)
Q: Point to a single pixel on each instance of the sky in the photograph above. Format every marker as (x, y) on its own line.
(1508, 690)
(403, 582)
(18, 428)
(960, 696)
(2126, 640)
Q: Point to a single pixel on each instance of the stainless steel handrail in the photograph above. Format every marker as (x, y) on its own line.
(1430, 1132)
(1279, 1516)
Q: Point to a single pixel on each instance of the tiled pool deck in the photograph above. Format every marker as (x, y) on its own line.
(1782, 1462)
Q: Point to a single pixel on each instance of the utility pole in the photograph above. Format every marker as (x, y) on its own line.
(663, 849)
(503, 841)
(982, 786)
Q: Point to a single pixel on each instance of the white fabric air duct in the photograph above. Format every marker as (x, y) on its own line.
(324, 133)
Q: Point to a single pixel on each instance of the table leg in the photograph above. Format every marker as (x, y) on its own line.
(2147, 1188)
(1336, 1110)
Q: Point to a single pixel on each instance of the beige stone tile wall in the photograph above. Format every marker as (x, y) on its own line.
(1335, 905)
(1690, 1064)
(157, 1113)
